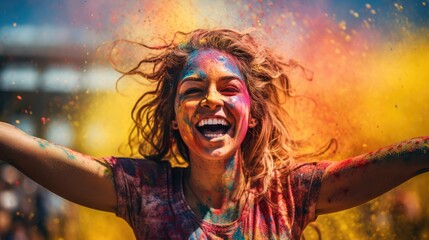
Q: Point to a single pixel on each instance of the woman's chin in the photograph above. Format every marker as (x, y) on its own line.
(220, 154)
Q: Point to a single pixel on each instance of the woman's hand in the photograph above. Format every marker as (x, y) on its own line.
(354, 181)
(81, 179)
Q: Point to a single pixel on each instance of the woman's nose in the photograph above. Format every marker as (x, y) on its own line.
(212, 100)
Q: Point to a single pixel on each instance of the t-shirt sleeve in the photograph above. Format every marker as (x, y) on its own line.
(305, 181)
(127, 186)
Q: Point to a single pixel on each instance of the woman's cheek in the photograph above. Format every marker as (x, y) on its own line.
(239, 104)
(179, 101)
(186, 130)
(231, 102)
(187, 121)
(186, 112)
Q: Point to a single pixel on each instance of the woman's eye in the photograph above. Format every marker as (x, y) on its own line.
(231, 90)
(192, 90)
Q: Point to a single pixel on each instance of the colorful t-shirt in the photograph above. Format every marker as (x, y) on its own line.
(150, 198)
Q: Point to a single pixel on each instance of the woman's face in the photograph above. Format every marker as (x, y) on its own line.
(212, 105)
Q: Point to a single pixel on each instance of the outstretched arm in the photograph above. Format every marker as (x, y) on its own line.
(81, 179)
(354, 181)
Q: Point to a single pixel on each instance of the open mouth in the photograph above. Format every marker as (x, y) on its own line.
(213, 127)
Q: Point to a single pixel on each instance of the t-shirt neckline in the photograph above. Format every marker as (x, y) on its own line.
(205, 225)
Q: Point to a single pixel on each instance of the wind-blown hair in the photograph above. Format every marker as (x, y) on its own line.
(266, 148)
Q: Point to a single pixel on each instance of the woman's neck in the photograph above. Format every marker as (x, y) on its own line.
(212, 188)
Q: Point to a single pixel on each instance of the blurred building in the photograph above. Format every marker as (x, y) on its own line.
(45, 73)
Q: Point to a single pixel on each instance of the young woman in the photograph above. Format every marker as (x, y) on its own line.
(217, 106)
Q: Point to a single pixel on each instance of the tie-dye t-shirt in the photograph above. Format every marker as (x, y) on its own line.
(150, 198)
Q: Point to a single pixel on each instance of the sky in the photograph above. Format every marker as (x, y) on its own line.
(97, 14)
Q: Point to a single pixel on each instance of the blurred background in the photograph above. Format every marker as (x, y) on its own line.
(365, 84)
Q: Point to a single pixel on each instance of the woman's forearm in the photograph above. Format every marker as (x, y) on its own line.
(74, 176)
(356, 180)
(8, 138)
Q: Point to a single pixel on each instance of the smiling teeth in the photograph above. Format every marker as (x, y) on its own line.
(213, 135)
(213, 121)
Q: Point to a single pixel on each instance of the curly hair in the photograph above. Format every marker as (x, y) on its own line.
(266, 148)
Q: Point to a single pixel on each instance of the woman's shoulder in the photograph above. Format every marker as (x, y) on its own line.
(302, 170)
(309, 166)
(133, 165)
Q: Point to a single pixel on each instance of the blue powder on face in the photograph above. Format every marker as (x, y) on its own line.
(180, 98)
(230, 105)
(202, 74)
(222, 58)
(189, 70)
(187, 121)
(229, 64)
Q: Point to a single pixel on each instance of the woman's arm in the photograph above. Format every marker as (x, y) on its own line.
(81, 179)
(354, 181)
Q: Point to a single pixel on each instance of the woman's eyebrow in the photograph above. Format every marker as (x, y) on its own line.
(230, 78)
(193, 75)
(196, 79)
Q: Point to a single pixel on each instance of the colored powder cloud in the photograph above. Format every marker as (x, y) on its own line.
(369, 65)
